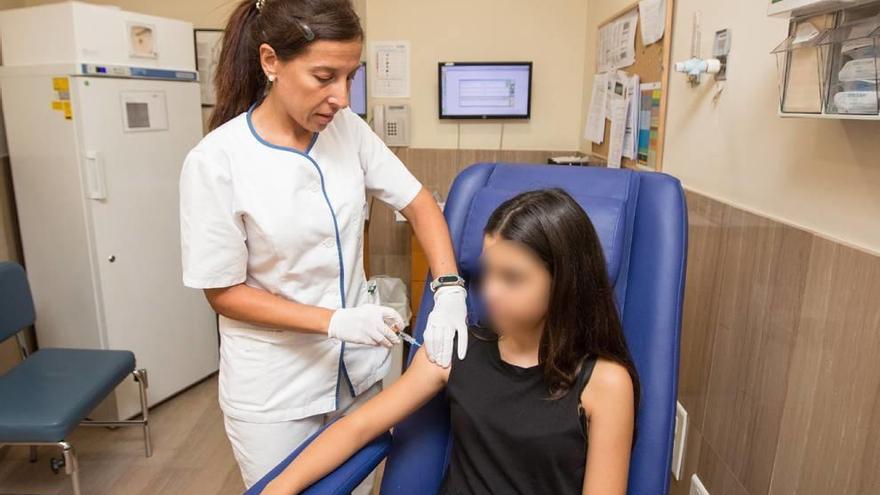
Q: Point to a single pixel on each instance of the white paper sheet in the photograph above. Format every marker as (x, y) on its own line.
(652, 14)
(616, 46)
(630, 142)
(618, 128)
(594, 130)
(390, 75)
(616, 83)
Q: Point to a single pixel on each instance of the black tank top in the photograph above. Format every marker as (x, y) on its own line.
(508, 436)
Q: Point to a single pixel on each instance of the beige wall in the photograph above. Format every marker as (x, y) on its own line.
(549, 33)
(820, 175)
(202, 13)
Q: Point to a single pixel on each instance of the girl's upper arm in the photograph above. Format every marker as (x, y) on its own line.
(609, 403)
(421, 381)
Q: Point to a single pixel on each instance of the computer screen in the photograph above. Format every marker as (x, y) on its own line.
(485, 90)
(358, 96)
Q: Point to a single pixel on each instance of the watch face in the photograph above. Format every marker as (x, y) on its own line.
(448, 278)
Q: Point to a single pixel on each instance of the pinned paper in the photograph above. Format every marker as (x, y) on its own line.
(616, 47)
(390, 74)
(630, 139)
(618, 129)
(652, 14)
(594, 130)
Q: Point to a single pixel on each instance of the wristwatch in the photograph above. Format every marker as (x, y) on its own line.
(446, 281)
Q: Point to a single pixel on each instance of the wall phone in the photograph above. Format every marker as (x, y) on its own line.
(391, 123)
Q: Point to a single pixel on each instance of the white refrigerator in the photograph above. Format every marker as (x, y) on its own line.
(101, 106)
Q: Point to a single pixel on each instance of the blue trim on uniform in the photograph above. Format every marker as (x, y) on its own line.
(305, 154)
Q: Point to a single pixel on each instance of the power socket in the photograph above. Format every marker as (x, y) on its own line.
(681, 425)
(697, 487)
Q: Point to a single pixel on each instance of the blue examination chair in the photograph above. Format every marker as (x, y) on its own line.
(51, 391)
(641, 219)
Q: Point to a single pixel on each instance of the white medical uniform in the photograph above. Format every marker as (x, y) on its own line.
(290, 223)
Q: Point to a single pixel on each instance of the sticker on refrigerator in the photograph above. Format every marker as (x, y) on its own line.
(61, 102)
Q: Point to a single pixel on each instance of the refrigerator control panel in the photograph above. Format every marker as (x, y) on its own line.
(137, 72)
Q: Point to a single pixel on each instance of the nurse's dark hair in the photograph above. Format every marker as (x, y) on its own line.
(289, 27)
(582, 318)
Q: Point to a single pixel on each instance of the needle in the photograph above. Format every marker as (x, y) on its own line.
(408, 338)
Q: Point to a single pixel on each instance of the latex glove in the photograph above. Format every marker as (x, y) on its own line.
(447, 319)
(368, 324)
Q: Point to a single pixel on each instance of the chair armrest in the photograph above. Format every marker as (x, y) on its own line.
(343, 479)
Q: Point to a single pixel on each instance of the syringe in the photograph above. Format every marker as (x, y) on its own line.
(409, 339)
(400, 333)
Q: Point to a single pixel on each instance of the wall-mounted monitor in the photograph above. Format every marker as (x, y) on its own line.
(485, 90)
(358, 95)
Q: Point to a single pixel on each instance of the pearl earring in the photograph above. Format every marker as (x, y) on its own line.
(271, 77)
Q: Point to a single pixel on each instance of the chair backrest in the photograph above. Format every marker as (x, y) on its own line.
(16, 305)
(641, 219)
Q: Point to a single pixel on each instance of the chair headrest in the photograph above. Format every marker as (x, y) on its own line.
(607, 214)
(608, 196)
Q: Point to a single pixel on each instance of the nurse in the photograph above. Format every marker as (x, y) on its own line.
(273, 202)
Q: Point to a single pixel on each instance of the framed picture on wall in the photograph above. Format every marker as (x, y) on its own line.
(207, 43)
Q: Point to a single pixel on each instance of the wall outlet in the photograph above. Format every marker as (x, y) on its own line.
(681, 424)
(697, 487)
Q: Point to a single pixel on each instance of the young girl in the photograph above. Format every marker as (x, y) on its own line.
(551, 376)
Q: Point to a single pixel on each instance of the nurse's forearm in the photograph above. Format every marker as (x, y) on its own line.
(244, 303)
(432, 232)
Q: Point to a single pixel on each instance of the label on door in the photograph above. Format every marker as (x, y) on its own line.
(61, 103)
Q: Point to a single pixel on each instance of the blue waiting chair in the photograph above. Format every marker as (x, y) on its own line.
(641, 219)
(51, 391)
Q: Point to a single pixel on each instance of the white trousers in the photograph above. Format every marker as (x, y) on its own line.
(258, 447)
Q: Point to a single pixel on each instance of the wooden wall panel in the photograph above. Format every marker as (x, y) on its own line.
(779, 368)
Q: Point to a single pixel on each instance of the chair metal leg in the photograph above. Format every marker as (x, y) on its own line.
(140, 376)
(33, 455)
(70, 466)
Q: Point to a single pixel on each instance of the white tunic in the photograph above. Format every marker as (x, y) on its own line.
(258, 213)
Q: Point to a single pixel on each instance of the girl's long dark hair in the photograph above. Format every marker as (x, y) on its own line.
(582, 319)
(288, 26)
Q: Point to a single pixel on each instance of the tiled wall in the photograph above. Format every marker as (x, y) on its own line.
(780, 372)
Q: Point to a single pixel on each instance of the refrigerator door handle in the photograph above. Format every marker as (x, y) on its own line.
(96, 188)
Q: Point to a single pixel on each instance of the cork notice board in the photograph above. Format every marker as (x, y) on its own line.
(652, 65)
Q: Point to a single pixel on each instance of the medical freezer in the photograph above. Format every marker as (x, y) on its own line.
(101, 107)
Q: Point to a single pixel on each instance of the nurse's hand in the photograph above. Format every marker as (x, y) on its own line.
(448, 319)
(366, 324)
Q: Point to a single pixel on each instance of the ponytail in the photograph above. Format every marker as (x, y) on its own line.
(288, 26)
(239, 79)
